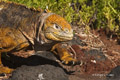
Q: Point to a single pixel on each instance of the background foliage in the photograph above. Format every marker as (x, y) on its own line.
(88, 13)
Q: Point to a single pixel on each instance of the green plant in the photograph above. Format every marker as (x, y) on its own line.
(95, 13)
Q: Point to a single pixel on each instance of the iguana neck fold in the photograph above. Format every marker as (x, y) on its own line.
(40, 37)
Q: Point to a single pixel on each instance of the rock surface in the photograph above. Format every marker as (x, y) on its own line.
(114, 74)
(41, 72)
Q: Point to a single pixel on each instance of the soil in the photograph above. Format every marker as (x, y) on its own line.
(99, 58)
(97, 63)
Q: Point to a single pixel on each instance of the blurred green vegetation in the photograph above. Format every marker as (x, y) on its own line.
(88, 13)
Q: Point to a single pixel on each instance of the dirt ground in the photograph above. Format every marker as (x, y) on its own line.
(99, 56)
(97, 53)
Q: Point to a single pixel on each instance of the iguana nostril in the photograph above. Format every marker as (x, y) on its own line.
(66, 31)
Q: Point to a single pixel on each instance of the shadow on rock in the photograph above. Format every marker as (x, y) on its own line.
(39, 59)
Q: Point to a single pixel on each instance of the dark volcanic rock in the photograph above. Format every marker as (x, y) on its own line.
(41, 66)
(114, 74)
(41, 72)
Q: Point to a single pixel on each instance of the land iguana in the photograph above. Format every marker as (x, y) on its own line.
(22, 27)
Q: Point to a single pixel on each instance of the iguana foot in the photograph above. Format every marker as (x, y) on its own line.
(62, 52)
(68, 60)
(5, 69)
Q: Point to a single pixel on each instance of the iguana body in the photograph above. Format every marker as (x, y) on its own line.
(21, 27)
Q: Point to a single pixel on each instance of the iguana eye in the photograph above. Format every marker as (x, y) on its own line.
(56, 26)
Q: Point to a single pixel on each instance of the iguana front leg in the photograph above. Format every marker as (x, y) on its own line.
(4, 69)
(61, 51)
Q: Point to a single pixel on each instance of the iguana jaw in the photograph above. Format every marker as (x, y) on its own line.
(60, 37)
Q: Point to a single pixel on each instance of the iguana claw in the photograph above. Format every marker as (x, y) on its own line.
(69, 61)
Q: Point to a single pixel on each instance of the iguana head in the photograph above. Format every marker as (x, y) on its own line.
(57, 28)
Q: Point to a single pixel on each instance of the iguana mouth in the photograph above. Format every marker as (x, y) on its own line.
(60, 37)
(64, 36)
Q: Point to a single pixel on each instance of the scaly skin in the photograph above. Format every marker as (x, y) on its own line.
(21, 27)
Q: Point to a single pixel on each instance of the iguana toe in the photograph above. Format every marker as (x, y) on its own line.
(5, 70)
(69, 61)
